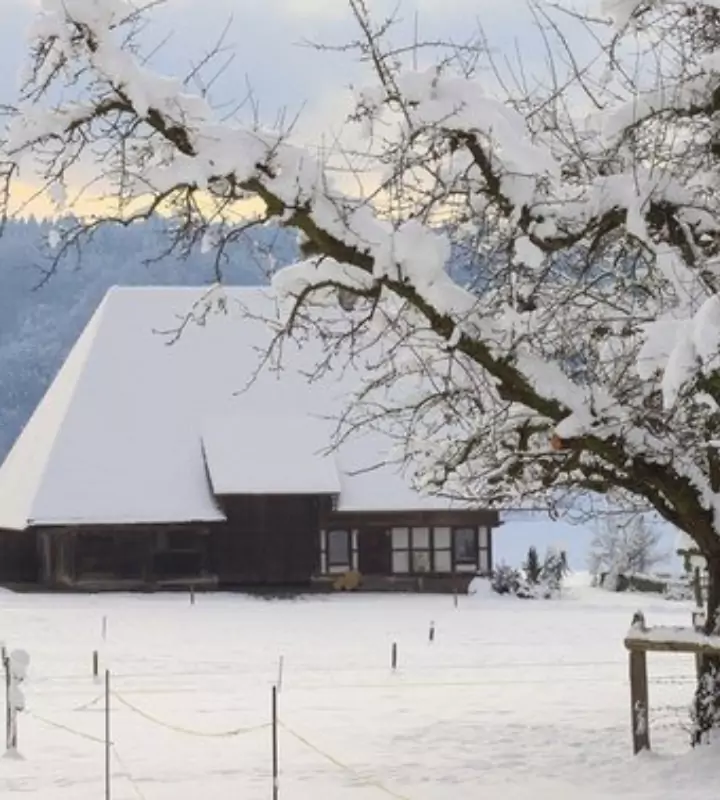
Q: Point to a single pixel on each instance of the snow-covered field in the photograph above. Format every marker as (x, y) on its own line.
(514, 699)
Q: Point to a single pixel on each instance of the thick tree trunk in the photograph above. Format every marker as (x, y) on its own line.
(706, 705)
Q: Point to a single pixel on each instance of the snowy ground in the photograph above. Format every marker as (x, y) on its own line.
(515, 699)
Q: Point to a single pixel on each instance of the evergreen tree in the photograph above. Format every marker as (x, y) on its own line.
(532, 567)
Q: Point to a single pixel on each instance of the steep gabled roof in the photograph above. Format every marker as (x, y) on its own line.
(135, 429)
(24, 468)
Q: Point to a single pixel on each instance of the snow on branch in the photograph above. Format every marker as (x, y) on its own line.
(544, 284)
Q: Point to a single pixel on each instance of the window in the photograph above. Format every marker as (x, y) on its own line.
(442, 539)
(412, 551)
(400, 561)
(466, 546)
(401, 550)
(443, 561)
(338, 548)
(442, 544)
(421, 538)
(444, 550)
(421, 561)
(400, 539)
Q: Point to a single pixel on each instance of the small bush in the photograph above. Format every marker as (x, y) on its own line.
(534, 580)
(506, 580)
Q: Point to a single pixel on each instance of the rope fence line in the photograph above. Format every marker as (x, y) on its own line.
(128, 775)
(399, 683)
(670, 719)
(59, 726)
(300, 670)
(188, 731)
(328, 757)
(89, 705)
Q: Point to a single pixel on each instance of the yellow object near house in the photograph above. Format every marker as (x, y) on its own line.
(348, 581)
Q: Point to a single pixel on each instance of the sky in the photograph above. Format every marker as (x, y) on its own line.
(267, 39)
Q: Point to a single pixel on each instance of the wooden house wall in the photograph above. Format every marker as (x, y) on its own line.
(268, 539)
(19, 560)
(128, 555)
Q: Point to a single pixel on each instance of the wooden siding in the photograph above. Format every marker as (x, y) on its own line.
(19, 559)
(268, 540)
(129, 556)
(374, 551)
(392, 519)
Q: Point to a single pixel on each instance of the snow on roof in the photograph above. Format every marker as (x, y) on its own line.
(25, 465)
(280, 454)
(119, 436)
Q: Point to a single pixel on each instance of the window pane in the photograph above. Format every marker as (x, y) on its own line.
(442, 538)
(465, 545)
(421, 538)
(421, 561)
(338, 548)
(400, 539)
(443, 562)
(401, 561)
(483, 536)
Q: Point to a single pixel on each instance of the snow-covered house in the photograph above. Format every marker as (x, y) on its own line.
(146, 464)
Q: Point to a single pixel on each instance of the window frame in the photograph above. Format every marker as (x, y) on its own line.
(464, 564)
(450, 554)
(348, 562)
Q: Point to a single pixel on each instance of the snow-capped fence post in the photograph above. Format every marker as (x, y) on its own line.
(104, 629)
(281, 664)
(107, 735)
(642, 640)
(431, 633)
(697, 588)
(8, 711)
(393, 656)
(192, 595)
(275, 764)
(639, 701)
(96, 664)
(16, 665)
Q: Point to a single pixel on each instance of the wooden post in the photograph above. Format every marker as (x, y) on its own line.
(697, 588)
(96, 664)
(8, 708)
(698, 621)
(275, 768)
(192, 595)
(639, 701)
(393, 656)
(107, 734)
(455, 597)
(431, 634)
(104, 628)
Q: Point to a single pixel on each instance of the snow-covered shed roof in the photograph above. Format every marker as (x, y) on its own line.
(135, 429)
(259, 454)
